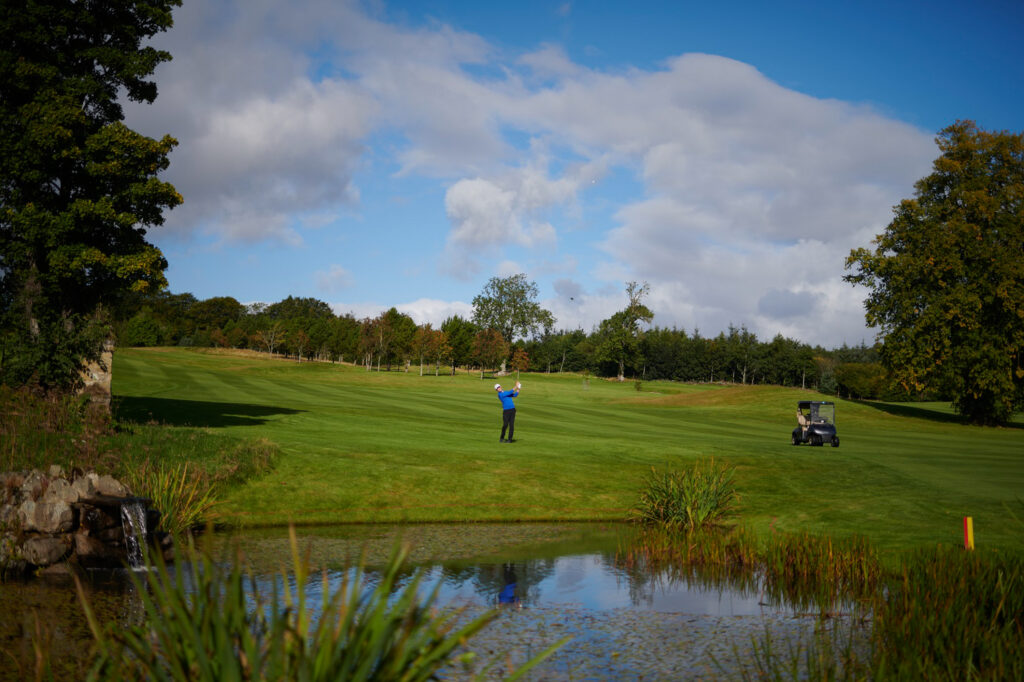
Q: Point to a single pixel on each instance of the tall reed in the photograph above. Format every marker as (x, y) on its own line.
(184, 498)
(810, 571)
(209, 621)
(699, 496)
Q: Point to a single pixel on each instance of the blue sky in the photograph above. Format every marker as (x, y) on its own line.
(730, 154)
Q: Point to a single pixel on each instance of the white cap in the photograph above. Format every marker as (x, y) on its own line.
(497, 386)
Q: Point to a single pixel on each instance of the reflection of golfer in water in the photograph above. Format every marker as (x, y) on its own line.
(507, 596)
(508, 414)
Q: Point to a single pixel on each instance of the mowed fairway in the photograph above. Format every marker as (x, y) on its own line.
(368, 446)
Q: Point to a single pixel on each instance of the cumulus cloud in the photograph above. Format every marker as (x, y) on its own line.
(751, 193)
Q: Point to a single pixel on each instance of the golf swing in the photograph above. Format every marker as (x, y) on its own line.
(508, 414)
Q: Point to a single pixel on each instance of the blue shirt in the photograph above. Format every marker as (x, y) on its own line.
(506, 399)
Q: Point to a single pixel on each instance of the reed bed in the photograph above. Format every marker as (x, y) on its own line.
(821, 573)
(952, 615)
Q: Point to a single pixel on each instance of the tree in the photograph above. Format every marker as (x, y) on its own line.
(78, 188)
(508, 305)
(489, 349)
(440, 349)
(460, 333)
(946, 277)
(423, 342)
(270, 335)
(620, 333)
(520, 361)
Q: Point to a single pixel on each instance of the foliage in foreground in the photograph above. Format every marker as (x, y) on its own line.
(205, 623)
(699, 496)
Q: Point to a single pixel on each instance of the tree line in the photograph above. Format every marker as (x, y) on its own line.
(308, 329)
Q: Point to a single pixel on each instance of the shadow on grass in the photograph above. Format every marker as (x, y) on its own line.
(919, 412)
(175, 412)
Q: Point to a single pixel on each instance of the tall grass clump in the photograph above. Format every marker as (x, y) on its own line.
(209, 621)
(700, 496)
(184, 498)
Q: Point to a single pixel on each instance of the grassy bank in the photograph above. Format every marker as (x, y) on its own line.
(367, 446)
(182, 469)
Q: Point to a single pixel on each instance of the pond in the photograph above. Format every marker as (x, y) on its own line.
(551, 580)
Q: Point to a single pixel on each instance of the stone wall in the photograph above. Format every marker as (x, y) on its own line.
(55, 522)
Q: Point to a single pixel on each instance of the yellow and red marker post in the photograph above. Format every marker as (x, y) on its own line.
(968, 532)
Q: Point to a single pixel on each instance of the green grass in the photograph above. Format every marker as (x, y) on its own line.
(366, 446)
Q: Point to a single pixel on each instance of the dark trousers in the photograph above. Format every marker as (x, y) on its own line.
(508, 422)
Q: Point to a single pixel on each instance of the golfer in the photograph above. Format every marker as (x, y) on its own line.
(508, 415)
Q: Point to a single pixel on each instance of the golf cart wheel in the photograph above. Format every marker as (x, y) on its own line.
(835, 441)
(796, 441)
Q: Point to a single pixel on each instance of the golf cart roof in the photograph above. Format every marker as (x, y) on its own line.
(804, 404)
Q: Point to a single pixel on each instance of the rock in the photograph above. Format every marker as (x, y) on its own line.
(61, 569)
(85, 485)
(8, 516)
(32, 487)
(46, 517)
(94, 554)
(95, 520)
(108, 485)
(60, 490)
(43, 551)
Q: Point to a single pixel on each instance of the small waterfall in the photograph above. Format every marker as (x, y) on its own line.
(133, 521)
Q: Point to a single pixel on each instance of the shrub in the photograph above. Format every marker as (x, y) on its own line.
(700, 496)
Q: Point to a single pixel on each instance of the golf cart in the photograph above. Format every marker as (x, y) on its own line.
(816, 423)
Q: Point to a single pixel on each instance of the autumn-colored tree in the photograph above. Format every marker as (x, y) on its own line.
(440, 349)
(489, 349)
(520, 361)
(78, 188)
(946, 277)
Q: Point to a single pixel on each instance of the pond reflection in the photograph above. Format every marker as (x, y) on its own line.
(548, 580)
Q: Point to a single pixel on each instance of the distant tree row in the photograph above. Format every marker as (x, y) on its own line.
(307, 329)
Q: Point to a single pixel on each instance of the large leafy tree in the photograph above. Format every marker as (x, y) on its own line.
(947, 276)
(509, 306)
(78, 188)
(620, 334)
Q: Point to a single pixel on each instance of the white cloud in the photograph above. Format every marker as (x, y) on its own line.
(422, 310)
(751, 192)
(332, 280)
